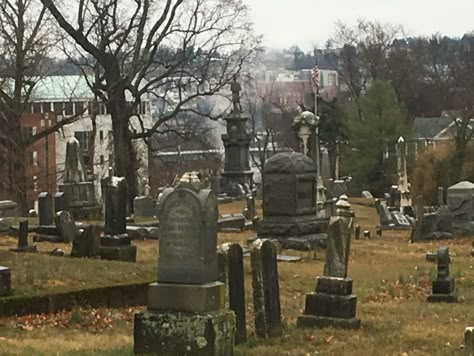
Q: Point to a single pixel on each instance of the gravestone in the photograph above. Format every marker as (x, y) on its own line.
(87, 242)
(115, 244)
(187, 298)
(66, 226)
(333, 304)
(7, 208)
(289, 203)
(60, 202)
(266, 290)
(357, 232)
(367, 234)
(433, 225)
(441, 201)
(80, 193)
(469, 341)
(378, 231)
(231, 272)
(367, 195)
(5, 281)
(443, 286)
(22, 245)
(460, 200)
(144, 206)
(45, 209)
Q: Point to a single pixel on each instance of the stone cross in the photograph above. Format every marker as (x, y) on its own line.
(339, 241)
(74, 166)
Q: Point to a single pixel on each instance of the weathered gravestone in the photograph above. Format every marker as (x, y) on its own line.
(115, 244)
(289, 203)
(266, 289)
(231, 271)
(5, 281)
(460, 199)
(333, 304)
(357, 232)
(187, 299)
(87, 242)
(443, 286)
(433, 225)
(45, 208)
(7, 208)
(367, 195)
(80, 193)
(144, 206)
(60, 202)
(22, 245)
(469, 341)
(66, 226)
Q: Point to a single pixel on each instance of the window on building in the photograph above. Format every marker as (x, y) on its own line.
(101, 159)
(102, 109)
(143, 106)
(35, 158)
(27, 132)
(36, 108)
(28, 158)
(332, 80)
(58, 108)
(101, 135)
(84, 138)
(46, 107)
(78, 108)
(68, 108)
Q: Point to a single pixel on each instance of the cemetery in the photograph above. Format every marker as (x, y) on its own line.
(171, 185)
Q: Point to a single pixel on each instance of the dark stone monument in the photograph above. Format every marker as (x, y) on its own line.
(469, 341)
(333, 304)
(443, 286)
(80, 192)
(187, 299)
(5, 281)
(231, 272)
(144, 206)
(115, 244)
(23, 239)
(237, 176)
(60, 202)
(45, 209)
(289, 203)
(87, 243)
(378, 231)
(266, 290)
(357, 232)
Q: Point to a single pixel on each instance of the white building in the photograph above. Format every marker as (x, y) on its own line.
(70, 95)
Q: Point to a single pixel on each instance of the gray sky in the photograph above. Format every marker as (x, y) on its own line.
(310, 22)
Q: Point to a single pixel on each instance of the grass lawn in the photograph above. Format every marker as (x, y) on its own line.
(391, 281)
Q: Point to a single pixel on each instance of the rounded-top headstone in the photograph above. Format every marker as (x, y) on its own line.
(289, 162)
(188, 235)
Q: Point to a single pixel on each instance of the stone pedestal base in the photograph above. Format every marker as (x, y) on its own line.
(5, 281)
(192, 298)
(332, 305)
(443, 291)
(171, 333)
(126, 253)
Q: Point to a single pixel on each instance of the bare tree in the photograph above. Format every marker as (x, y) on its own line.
(185, 48)
(26, 39)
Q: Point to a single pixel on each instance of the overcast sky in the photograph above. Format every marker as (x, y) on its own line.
(311, 22)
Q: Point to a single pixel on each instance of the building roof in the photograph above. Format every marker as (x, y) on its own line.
(429, 127)
(464, 185)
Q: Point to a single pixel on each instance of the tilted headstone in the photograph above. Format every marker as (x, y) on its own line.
(187, 297)
(443, 285)
(66, 226)
(266, 290)
(45, 208)
(333, 304)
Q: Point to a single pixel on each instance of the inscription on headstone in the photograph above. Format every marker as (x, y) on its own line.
(188, 240)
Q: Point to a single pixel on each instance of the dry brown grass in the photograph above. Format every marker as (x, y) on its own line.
(391, 281)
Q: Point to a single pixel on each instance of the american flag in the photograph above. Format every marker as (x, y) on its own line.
(315, 77)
